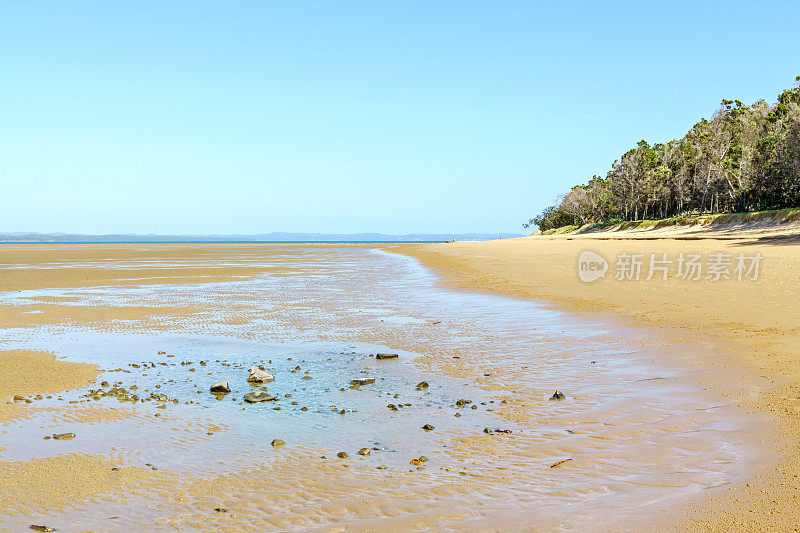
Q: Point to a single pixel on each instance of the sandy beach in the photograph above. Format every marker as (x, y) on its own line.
(721, 342)
(756, 326)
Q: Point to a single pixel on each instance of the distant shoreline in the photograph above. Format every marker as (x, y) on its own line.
(222, 242)
(261, 238)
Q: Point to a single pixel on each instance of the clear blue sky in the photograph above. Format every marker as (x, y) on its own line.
(397, 117)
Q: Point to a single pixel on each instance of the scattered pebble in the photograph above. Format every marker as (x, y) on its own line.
(257, 375)
(260, 396)
(221, 387)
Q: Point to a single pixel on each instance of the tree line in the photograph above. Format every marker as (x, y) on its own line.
(745, 158)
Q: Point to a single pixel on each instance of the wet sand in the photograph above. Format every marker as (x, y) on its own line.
(755, 325)
(320, 491)
(27, 372)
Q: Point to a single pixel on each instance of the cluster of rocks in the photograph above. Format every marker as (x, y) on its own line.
(21, 399)
(60, 436)
(490, 431)
(364, 452)
(256, 375)
(120, 393)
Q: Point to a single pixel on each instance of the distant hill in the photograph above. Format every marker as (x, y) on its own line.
(262, 237)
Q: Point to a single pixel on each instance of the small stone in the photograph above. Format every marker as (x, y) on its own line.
(260, 396)
(427, 427)
(257, 375)
(221, 387)
(558, 395)
(277, 443)
(364, 451)
(64, 436)
(41, 528)
(220, 510)
(362, 381)
(342, 455)
(422, 385)
(415, 462)
(386, 356)
(423, 459)
(392, 406)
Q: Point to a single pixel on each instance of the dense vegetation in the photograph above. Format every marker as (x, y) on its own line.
(746, 158)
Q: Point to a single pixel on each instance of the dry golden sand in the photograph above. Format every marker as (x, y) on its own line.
(756, 323)
(28, 372)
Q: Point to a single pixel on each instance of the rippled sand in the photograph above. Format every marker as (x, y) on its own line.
(635, 438)
(752, 330)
